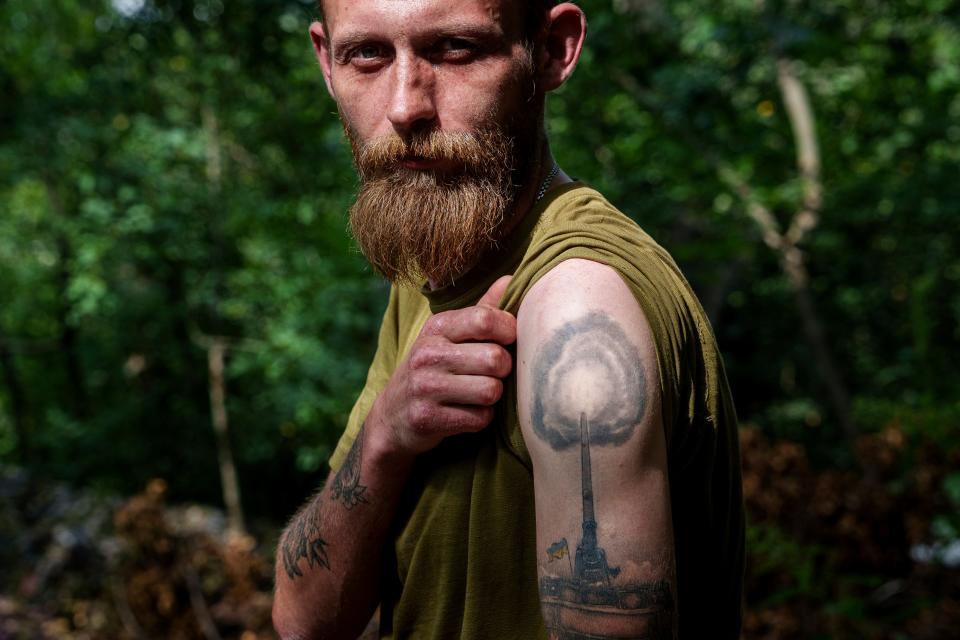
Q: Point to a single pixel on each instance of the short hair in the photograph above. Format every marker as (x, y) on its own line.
(533, 21)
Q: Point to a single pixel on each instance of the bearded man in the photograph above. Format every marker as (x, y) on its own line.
(545, 445)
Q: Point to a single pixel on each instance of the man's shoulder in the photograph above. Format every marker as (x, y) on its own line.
(575, 279)
(580, 204)
(579, 288)
(582, 220)
(587, 252)
(581, 235)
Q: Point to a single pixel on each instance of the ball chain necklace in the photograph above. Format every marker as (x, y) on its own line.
(547, 182)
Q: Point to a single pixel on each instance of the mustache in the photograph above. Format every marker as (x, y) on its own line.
(470, 152)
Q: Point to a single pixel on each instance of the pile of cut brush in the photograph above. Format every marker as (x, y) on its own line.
(858, 552)
(77, 566)
(850, 553)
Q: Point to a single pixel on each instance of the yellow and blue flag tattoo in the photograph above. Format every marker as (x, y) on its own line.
(557, 550)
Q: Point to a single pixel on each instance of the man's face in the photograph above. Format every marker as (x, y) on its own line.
(434, 99)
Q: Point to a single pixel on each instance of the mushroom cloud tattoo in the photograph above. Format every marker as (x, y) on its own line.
(590, 367)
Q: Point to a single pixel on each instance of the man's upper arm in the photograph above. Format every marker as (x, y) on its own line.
(589, 404)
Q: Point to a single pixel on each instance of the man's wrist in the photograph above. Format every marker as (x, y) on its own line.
(380, 443)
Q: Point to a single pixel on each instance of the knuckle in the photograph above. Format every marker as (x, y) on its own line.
(511, 323)
(491, 391)
(489, 359)
(498, 360)
(481, 418)
(436, 325)
(422, 385)
(484, 320)
(429, 327)
(418, 417)
(506, 363)
(424, 356)
(419, 358)
(415, 386)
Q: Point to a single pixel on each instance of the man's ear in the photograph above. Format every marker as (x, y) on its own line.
(321, 46)
(562, 43)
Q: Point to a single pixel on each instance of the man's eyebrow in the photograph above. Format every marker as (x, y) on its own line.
(347, 41)
(464, 29)
(342, 44)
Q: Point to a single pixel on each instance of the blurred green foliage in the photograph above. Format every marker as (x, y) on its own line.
(172, 170)
(169, 174)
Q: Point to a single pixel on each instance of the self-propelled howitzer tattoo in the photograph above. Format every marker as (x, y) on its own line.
(590, 604)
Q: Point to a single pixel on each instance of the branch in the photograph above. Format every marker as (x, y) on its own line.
(804, 220)
(797, 103)
(216, 355)
(757, 211)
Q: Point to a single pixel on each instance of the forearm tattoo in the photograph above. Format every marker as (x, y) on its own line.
(590, 390)
(346, 486)
(303, 540)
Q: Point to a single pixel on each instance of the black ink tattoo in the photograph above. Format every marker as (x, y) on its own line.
(577, 611)
(303, 540)
(346, 484)
(590, 603)
(591, 348)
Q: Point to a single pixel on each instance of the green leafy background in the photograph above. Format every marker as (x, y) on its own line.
(172, 170)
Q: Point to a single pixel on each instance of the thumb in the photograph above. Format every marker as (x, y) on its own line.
(492, 297)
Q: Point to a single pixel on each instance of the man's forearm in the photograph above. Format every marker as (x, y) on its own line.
(328, 559)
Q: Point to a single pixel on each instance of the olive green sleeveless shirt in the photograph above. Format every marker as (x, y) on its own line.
(461, 560)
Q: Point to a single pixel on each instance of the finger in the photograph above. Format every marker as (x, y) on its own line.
(437, 388)
(454, 419)
(493, 295)
(475, 391)
(480, 359)
(429, 419)
(480, 324)
(444, 388)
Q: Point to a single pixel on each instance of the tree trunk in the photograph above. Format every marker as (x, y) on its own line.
(11, 377)
(216, 355)
(793, 263)
(217, 347)
(815, 335)
(796, 100)
(804, 220)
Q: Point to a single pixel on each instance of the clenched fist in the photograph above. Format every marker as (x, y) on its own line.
(451, 379)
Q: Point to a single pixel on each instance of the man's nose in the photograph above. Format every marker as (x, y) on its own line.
(412, 100)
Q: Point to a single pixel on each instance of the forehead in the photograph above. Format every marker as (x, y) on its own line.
(412, 15)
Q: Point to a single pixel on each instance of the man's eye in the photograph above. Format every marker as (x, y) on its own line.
(456, 44)
(456, 49)
(367, 52)
(365, 57)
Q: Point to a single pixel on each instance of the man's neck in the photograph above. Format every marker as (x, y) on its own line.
(536, 188)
